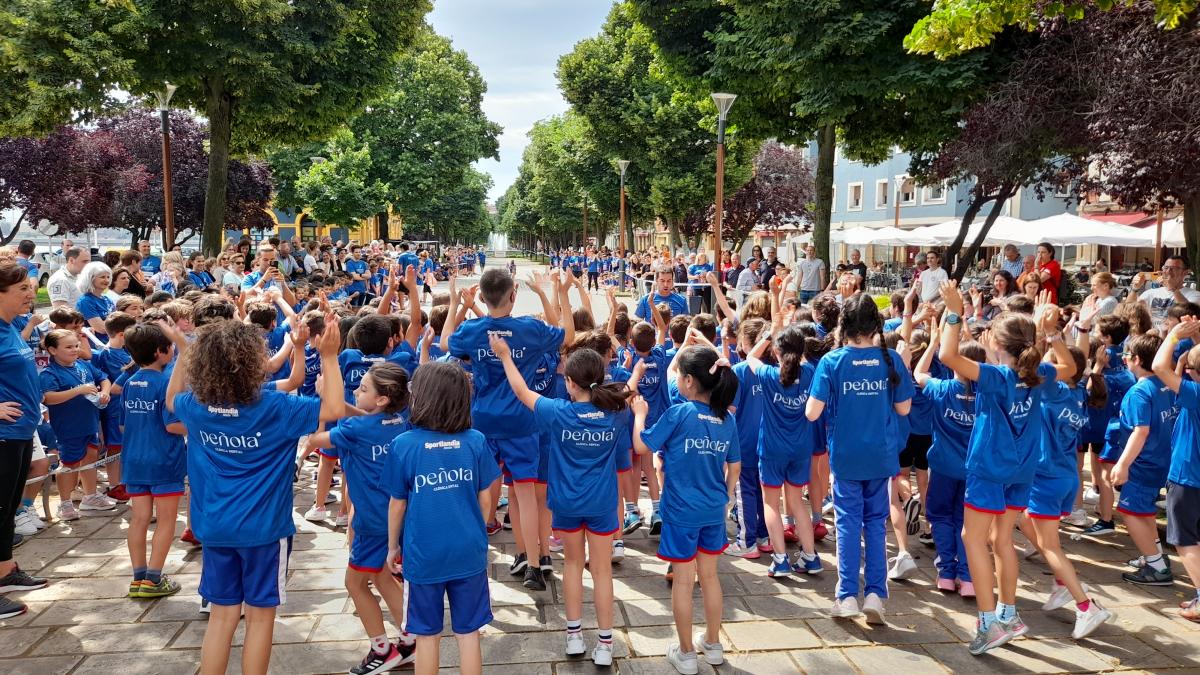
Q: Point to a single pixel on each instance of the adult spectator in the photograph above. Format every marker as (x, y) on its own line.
(1082, 276)
(664, 292)
(1099, 266)
(264, 275)
(233, 270)
(357, 268)
(407, 259)
(95, 306)
(1103, 284)
(243, 247)
(25, 251)
(1003, 287)
(131, 261)
(287, 264)
(858, 267)
(1049, 271)
(20, 412)
(1012, 262)
(63, 285)
(151, 264)
(768, 267)
(312, 254)
(749, 280)
(933, 276)
(697, 275)
(812, 277)
(1170, 290)
(730, 276)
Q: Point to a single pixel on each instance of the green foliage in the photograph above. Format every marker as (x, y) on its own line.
(457, 216)
(287, 164)
(340, 190)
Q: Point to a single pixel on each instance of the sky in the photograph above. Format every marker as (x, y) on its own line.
(516, 45)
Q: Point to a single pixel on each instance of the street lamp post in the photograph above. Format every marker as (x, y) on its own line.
(622, 165)
(723, 102)
(164, 113)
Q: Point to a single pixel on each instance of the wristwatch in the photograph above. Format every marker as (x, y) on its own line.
(953, 319)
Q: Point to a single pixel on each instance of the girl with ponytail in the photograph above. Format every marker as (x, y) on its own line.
(584, 434)
(785, 446)
(1002, 451)
(695, 445)
(866, 389)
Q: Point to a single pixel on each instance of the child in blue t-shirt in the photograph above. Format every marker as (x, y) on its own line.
(241, 447)
(362, 442)
(154, 454)
(1113, 331)
(752, 536)
(439, 475)
(1183, 479)
(646, 350)
(585, 440)
(786, 444)
(1003, 449)
(1147, 419)
(867, 389)
(696, 447)
(112, 360)
(73, 390)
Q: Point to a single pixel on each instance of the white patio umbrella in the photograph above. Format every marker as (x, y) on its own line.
(1172, 233)
(1068, 229)
(1006, 230)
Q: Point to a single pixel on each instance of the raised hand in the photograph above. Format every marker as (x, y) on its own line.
(330, 342)
(951, 296)
(499, 347)
(639, 406)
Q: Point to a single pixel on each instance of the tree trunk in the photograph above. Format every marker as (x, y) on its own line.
(826, 151)
(950, 259)
(219, 110)
(998, 199)
(5, 239)
(1191, 230)
(674, 238)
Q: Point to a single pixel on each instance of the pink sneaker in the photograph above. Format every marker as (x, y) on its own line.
(966, 589)
(764, 545)
(946, 585)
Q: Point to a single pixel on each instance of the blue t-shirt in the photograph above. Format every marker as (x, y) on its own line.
(151, 455)
(954, 417)
(748, 402)
(77, 417)
(1063, 419)
(240, 464)
(362, 443)
(353, 266)
(854, 384)
(94, 307)
(354, 365)
(406, 357)
(695, 445)
(495, 409)
(151, 264)
(1150, 404)
(112, 363)
(893, 324)
(786, 431)
(593, 265)
(200, 279)
(920, 417)
(1185, 440)
(678, 304)
(699, 271)
(1008, 424)
(584, 442)
(653, 385)
(1117, 381)
(440, 476)
(19, 384)
(30, 267)
(406, 260)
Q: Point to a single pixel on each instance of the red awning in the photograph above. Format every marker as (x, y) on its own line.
(1136, 219)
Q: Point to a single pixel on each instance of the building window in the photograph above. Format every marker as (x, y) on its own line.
(881, 194)
(934, 194)
(854, 198)
(908, 191)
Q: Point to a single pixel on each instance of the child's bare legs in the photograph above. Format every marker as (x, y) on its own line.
(652, 485)
(1144, 533)
(572, 580)
(773, 519)
(1005, 554)
(218, 638)
(600, 566)
(977, 528)
(794, 496)
(260, 629)
(141, 507)
(428, 647)
(544, 530)
(1105, 487)
(37, 469)
(324, 480)
(525, 520)
(710, 590)
(1046, 531)
(164, 531)
(1190, 557)
(899, 524)
(66, 484)
(493, 502)
(818, 487)
(470, 655)
(923, 488)
(681, 602)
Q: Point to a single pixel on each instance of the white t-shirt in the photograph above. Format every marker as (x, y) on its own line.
(931, 283)
(63, 287)
(810, 274)
(1159, 300)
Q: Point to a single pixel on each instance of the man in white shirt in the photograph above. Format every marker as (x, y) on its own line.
(1159, 300)
(933, 276)
(62, 287)
(748, 280)
(812, 278)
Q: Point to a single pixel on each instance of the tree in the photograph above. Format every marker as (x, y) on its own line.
(262, 71)
(338, 188)
(957, 26)
(459, 215)
(806, 69)
(780, 193)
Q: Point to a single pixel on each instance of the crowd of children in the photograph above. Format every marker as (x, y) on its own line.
(784, 411)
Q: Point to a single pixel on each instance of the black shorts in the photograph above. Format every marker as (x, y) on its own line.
(916, 452)
(1183, 515)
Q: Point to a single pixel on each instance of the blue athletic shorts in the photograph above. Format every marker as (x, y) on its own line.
(173, 489)
(46, 435)
(520, 456)
(368, 552)
(1111, 452)
(71, 451)
(681, 544)
(601, 525)
(110, 423)
(795, 471)
(543, 472)
(470, 605)
(1138, 500)
(255, 575)
(991, 497)
(624, 459)
(1052, 498)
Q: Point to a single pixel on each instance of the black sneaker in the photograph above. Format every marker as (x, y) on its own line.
(18, 539)
(547, 564)
(1148, 576)
(408, 652)
(507, 522)
(10, 608)
(1100, 528)
(926, 538)
(533, 579)
(378, 663)
(16, 580)
(519, 565)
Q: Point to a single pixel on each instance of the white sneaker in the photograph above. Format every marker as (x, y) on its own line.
(1090, 496)
(67, 511)
(873, 609)
(846, 608)
(618, 553)
(31, 514)
(23, 523)
(1087, 622)
(902, 566)
(575, 645)
(342, 520)
(1059, 597)
(714, 653)
(602, 654)
(686, 664)
(316, 514)
(556, 544)
(96, 502)
(1078, 518)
